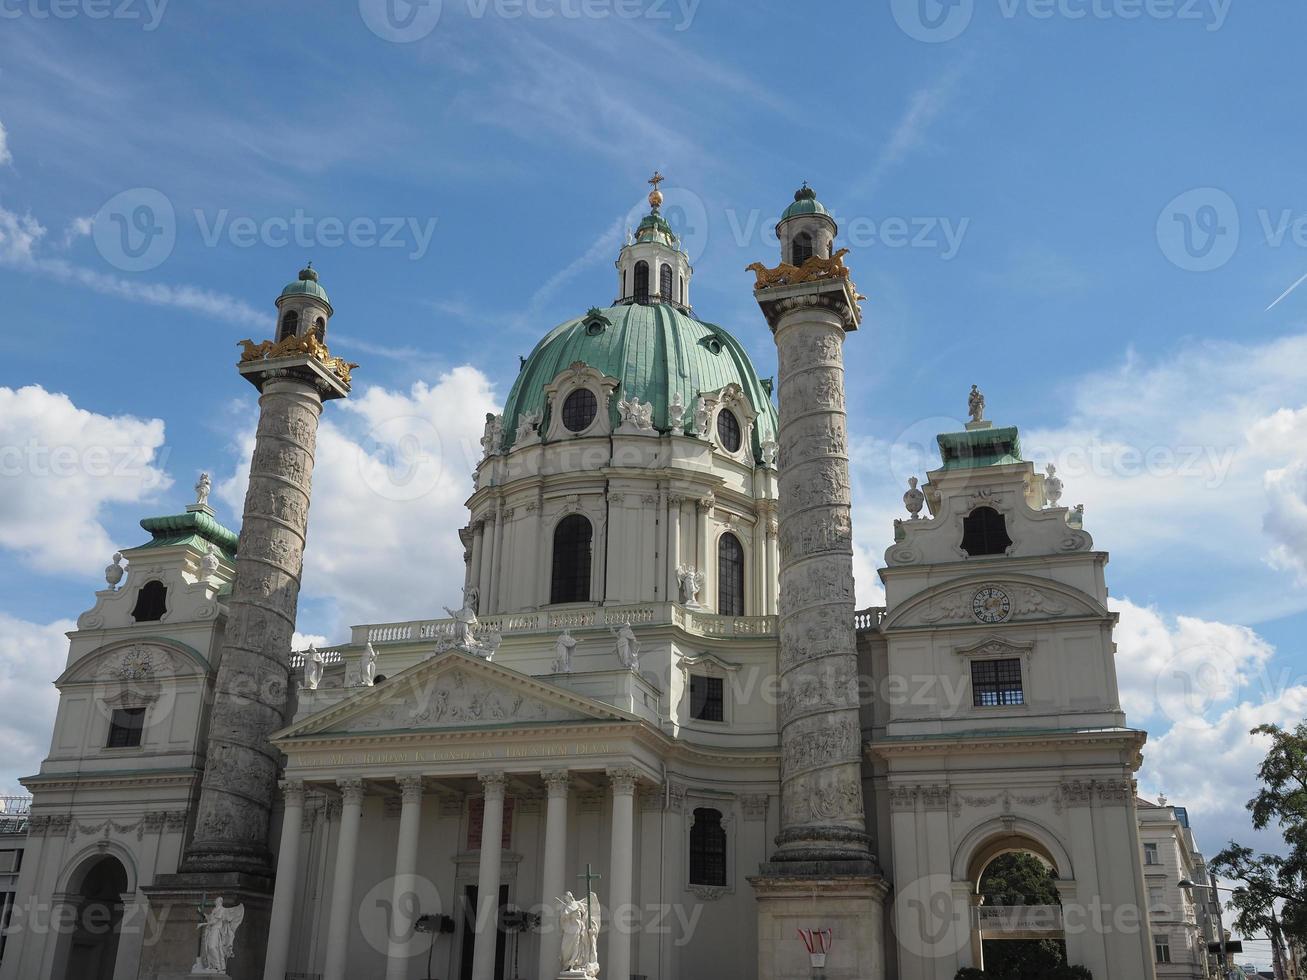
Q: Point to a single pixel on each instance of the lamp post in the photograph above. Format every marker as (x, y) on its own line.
(1188, 885)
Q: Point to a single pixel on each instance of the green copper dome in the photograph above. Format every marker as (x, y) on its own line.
(654, 351)
(805, 202)
(307, 285)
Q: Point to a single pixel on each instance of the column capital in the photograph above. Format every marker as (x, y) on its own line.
(623, 780)
(706, 503)
(557, 781)
(351, 790)
(292, 790)
(411, 788)
(492, 784)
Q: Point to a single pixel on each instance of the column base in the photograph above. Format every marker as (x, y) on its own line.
(821, 895)
(170, 949)
(825, 845)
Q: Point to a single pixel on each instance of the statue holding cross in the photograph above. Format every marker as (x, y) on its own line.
(580, 923)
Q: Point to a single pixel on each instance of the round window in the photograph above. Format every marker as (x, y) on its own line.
(579, 410)
(728, 431)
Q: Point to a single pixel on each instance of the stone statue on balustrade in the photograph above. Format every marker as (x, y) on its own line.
(217, 938)
(368, 668)
(579, 919)
(690, 581)
(563, 648)
(313, 667)
(628, 647)
(462, 635)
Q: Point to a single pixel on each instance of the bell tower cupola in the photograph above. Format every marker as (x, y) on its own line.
(303, 307)
(652, 266)
(806, 228)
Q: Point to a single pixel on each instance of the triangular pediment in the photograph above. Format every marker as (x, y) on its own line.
(453, 691)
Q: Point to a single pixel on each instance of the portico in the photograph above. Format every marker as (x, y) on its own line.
(454, 818)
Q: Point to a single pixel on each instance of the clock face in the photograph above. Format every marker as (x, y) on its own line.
(991, 605)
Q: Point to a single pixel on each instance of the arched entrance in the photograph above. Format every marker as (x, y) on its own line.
(95, 892)
(1017, 929)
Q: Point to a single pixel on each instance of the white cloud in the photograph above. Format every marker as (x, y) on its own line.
(392, 472)
(5, 155)
(60, 466)
(302, 641)
(31, 656)
(78, 228)
(20, 240)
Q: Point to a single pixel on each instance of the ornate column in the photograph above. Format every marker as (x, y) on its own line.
(294, 377)
(486, 562)
(821, 741)
(496, 569)
(283, 896)
(406, 865)
(492, 832)
(621, 857)
(704, 508)
(553, 877)
(773, 583)
(478, 549)
(342, 883)
(673, 547)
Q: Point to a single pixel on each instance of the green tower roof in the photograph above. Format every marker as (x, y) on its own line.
(979, 447)
(196, 528)
(654, 351)
(805, 202)
(307, 285)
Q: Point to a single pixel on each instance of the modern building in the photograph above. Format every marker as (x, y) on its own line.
(657, 688)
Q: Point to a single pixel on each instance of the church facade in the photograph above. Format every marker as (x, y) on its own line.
(656, 693)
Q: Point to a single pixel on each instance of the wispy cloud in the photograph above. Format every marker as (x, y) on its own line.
(20, 240)
(5, 156)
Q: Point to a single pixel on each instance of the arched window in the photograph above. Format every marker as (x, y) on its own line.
(984, 532)
(642, 282)
(801, 248)
(730, 576)
(290, 323)
(579, 410)
(707, 848)
(665, 283)
(571, 577)
(320, 329)
(151, 602)
(728, 430)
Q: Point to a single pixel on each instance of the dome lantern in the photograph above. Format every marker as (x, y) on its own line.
(303, 307)
(652, 267)
(806, 228)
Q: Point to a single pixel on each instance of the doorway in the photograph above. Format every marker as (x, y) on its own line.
(93, 943)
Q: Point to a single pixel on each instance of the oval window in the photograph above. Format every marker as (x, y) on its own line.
(728, 431)
(579, 410)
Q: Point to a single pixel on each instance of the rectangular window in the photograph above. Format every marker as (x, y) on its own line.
(996, 682)
(10, 862)
(1150, 854)
(1156, 898)
(1163, 948)
(706, 699)
(126, 727)
(6, 909)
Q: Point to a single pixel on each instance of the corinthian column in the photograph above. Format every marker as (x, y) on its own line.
(821, 744)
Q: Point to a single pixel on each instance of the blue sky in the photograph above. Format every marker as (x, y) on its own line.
(1085, 208)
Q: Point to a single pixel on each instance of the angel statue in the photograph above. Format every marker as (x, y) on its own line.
(564, 646)
(465, 621)
(628, 647)
(218, 937)
(690, 582)
(313, 663)
(202, 490)
(368, 668)
(976, 405)
(579, 918)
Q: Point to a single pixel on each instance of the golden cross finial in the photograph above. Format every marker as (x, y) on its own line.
(655, 195)
(656, 179)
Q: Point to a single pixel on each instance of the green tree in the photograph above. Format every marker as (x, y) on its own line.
(1021, 879)
(1271, 881)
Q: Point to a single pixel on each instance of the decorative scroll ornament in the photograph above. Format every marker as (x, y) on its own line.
(307, 344)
